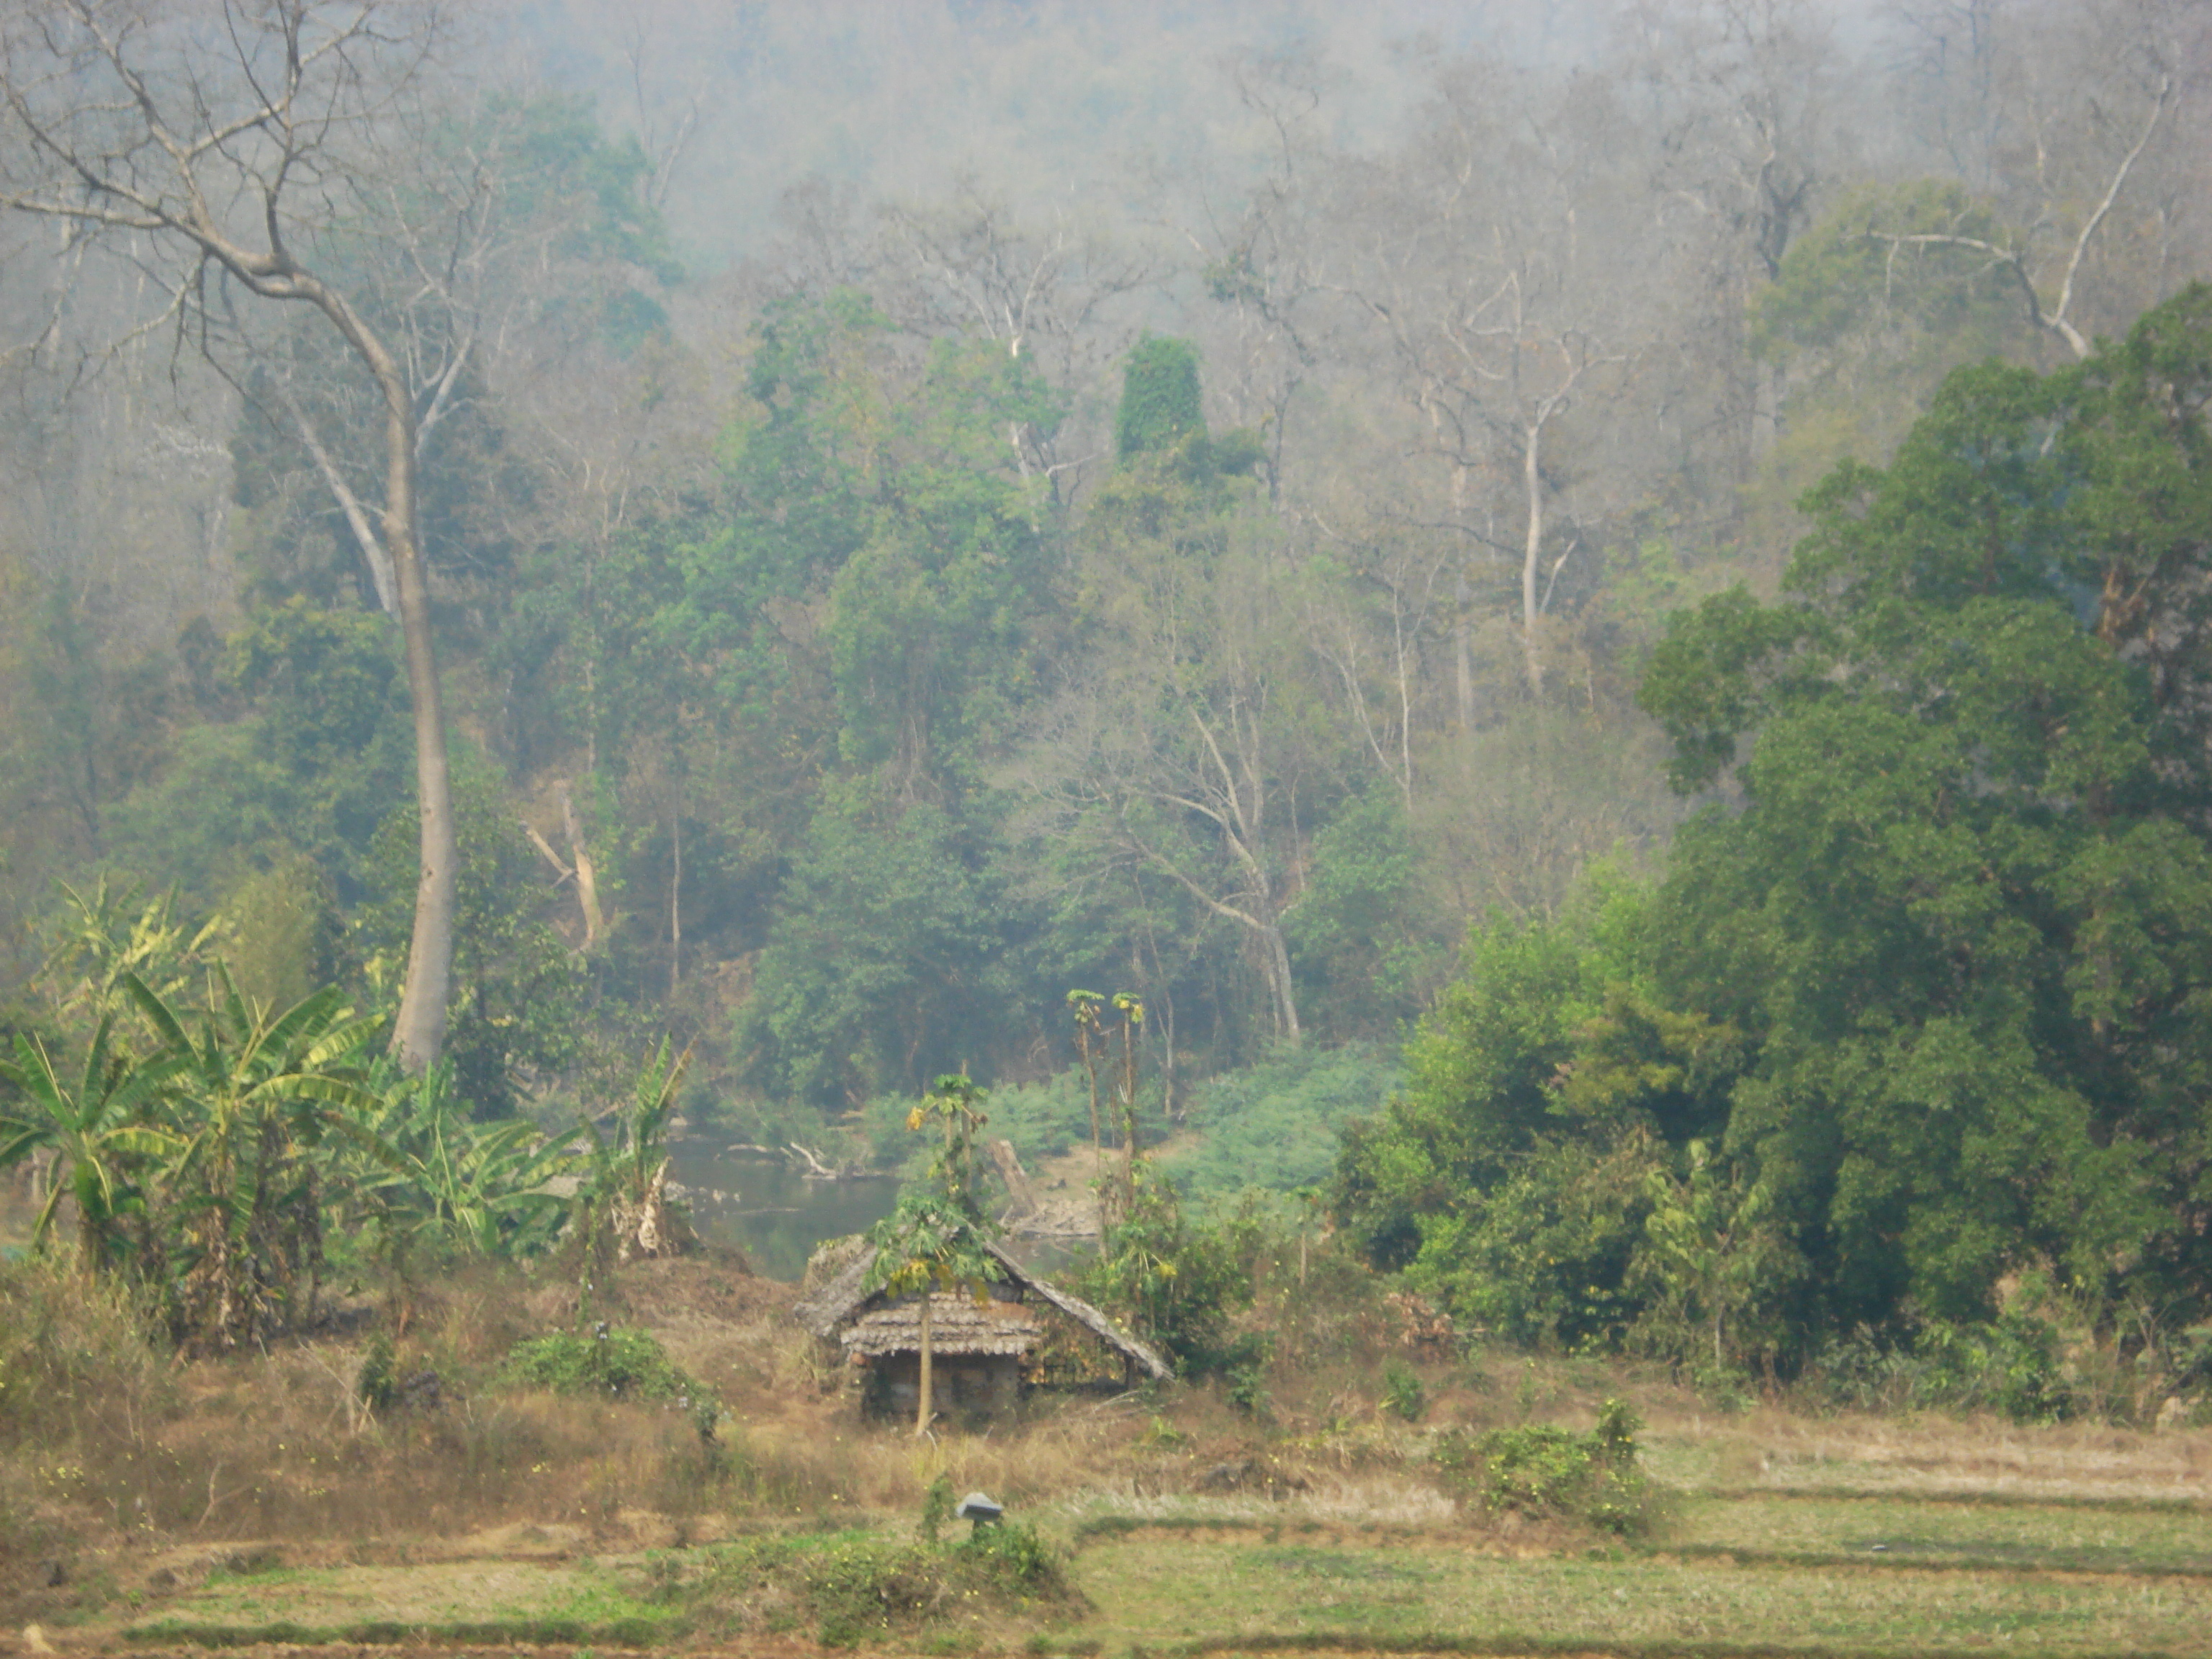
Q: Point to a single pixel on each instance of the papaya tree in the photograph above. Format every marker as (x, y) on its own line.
(935, 1239)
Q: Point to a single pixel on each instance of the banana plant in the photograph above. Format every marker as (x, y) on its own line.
(99, 1127)
(251, 1096)
(105, 935)
(623, 1169)
(484, 1188)
(424, 1180)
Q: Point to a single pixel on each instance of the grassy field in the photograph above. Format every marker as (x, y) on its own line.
(1360, 1566)
(1161, 1588)
(167, 1506)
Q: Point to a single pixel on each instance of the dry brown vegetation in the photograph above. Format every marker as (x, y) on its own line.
(133, 1481)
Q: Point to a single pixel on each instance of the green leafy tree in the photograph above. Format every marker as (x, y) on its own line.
(884, 960)
(1362, 943)
(1951, 916)
(1712, 1262)
(1159, 410)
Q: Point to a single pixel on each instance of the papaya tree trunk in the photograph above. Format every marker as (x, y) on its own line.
(922, 1411)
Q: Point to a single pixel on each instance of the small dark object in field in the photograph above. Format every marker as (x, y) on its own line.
(980, 1509)
(52, 1574)
(161, 1579)
(421, 1392)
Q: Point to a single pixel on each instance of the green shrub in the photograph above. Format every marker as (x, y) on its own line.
(378, 1382)
(1009, 1561)
(1244, 1369)
(620, 1364)
(1276, 1125)
(1402, 1393)
(863, 1586)
(936, 1507)
(1541, 1256)
(1176, 1285)
(2013, 1365)
(1548, 1473)
(855, 1586)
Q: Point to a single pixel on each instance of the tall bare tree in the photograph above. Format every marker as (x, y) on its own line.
(1503, 267)
(227, 146)
(2079, 126)
(1178, 749)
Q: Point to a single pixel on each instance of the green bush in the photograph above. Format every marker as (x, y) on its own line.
(1050, 1118)
(1243, 1367)
(1542, 1257)
(862, 1586)
(1276, 1125)
(936, 1507)
(377, 1384)
(1008, 1560)
(2012, 1365)
(857, 1585)
(620, 1364)
(1402, 1393)
(1175, 1283)
(1548, 1473)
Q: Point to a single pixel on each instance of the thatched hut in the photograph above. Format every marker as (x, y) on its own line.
(1021, 1333)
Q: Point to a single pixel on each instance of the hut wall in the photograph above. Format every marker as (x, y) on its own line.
(963, 1384)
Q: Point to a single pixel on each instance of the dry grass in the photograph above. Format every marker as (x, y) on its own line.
(145, 1478)
(1771, 1450)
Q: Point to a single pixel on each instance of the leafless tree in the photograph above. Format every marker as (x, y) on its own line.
(230, 147)
(1054, 292)
(2015, 255)
(1265, 251)
(1174, 750)
(1501, 279)
(2080, 125)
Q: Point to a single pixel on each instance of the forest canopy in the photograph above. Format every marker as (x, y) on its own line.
(1649, 557)
(1919, 1005)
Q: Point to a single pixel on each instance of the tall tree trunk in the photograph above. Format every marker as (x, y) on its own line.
(587, 882)
(922, 1411)
(1278, 962)
(1531, 557)
(675, 904)
(418, 1035)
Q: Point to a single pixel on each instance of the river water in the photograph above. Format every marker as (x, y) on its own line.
(775, 1216)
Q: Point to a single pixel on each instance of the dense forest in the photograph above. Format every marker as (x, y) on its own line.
(1608, 599)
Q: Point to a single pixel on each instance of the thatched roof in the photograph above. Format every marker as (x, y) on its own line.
(836, 1310)
(958, 1324)
(835, 1302)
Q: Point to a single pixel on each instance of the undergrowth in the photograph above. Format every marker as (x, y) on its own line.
(618, 1364)
(854, 1587)
(1545, 1472)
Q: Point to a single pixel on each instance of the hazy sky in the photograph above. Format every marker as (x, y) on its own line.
(1042, 100)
